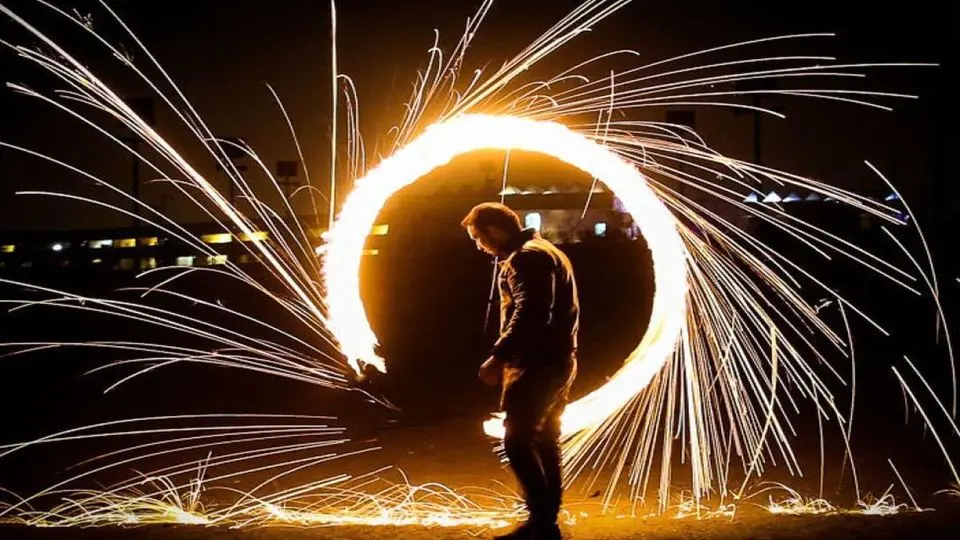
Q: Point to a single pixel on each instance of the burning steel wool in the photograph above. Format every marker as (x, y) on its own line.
(730, 348)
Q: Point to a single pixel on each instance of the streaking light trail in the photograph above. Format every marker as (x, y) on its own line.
(437, 146)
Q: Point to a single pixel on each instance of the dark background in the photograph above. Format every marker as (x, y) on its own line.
(222, 54)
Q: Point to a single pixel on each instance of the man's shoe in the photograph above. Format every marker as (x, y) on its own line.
(548, 532)
(529, 531)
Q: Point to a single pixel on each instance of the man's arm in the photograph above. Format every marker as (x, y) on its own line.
(532, 285)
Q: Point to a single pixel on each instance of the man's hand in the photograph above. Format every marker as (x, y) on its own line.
(491, 371)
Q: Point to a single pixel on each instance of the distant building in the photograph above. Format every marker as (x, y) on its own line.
(143, 248)
(423, 213)
(130, 249)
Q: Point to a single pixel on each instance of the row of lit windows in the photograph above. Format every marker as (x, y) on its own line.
(122, 242)
(774, 197)
(552, 190)
(95, 244)
(146, 263)
(533, 220)
(246, 258)
(216, 238)
(226, 238)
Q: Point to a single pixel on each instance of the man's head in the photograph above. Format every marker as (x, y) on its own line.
(492, 226)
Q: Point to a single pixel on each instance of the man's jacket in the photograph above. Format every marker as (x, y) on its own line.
(539, 309)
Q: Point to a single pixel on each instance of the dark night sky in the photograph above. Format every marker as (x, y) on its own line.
(222, 53)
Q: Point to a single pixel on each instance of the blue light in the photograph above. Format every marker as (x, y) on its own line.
(772, 197)
(532, 221)
(793, 197)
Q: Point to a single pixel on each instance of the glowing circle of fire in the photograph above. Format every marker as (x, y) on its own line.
(436, 147)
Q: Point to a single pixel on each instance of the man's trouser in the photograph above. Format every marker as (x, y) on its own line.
(533, 400)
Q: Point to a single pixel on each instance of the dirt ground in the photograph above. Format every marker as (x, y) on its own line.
(433, 454)
(943, 524)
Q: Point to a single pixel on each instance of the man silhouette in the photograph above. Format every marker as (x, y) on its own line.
(534, 358)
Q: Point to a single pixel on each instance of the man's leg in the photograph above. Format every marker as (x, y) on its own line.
(520, 444)
(548, 452)
(548, 444)
(533, 404)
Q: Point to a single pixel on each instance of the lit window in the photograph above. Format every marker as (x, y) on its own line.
(149, 241)
(532, 220)
(125, 243)
(97, 261)
(185, 261)
(256, 236)
(380, 230)
(97, 244)
(125, 264)
(218, 238)
(214, 260)
(246, 258)
(600, 228)
(148, 263)
(9, 248)
(371, 251)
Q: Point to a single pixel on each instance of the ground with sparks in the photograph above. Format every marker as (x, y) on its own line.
(457, 455)
(944, 523)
